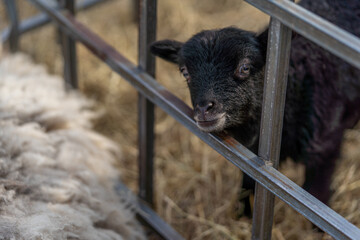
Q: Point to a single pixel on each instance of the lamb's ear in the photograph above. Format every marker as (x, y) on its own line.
(167, 49)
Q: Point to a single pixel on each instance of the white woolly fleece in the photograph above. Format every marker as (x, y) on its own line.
(56, 174)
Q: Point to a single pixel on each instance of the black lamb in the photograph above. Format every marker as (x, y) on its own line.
(224, 70)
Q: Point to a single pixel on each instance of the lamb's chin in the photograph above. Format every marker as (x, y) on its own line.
(216, 125)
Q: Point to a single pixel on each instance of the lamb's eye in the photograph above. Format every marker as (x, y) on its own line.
(244, 70)
(185, 73)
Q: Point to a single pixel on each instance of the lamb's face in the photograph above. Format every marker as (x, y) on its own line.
(224, 72)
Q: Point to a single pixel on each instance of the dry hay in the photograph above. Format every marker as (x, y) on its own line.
(196, 188)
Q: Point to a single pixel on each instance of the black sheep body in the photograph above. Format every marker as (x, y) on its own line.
(225, 72)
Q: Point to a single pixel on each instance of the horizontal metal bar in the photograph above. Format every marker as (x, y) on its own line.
(43, 19)
(313, 27)
(314, 210)
(146, 214)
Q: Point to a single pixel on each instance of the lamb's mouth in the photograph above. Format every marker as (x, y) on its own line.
(213, 125)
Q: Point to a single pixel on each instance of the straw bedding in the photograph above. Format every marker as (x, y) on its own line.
(196, 189)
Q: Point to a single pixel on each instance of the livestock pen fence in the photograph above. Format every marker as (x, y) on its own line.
(285, 17)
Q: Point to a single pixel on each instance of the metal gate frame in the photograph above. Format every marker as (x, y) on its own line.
(285, 16)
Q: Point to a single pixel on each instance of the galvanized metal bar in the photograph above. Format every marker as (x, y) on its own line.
(14, 28)
(43, 19)
(314, 210)
(276, 75)
(147, 35)
(149, 217)
(136, 10)
(69, 51)
(313, 27)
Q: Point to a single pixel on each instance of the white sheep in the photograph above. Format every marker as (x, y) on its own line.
(56, 174)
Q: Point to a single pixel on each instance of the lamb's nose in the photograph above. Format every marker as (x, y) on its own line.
(205, 107)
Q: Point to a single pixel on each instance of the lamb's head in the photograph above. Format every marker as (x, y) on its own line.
(224, 70)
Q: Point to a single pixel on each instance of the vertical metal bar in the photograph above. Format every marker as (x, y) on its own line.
(276, 74)
(147, 34)
(69, 50)
(14, 29)
(135, 9)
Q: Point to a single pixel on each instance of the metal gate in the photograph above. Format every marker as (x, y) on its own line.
(285, 17)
